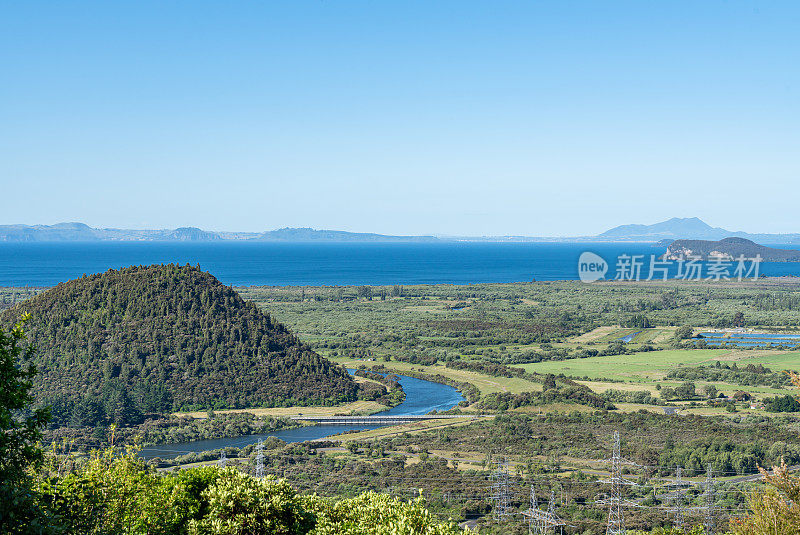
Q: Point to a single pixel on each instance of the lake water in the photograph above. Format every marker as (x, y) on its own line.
(422, 397)
(628, 338)
(281, 264)
(750, 339)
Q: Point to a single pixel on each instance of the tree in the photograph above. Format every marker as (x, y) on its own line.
(685, 390)
(20, 430)
(782, 404)
(683, 332)
(365, 292)
(710, 391)
(738, 320)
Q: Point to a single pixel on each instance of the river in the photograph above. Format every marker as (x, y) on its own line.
(422, 397)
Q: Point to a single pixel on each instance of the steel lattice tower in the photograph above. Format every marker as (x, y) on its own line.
(616, 520)
(504, 490)
(533, 521)
(541, 522)
(223, 460)
(499, 489)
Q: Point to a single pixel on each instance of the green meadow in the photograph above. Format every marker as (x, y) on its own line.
(654, 365)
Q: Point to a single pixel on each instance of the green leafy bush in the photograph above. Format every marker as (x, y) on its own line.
(376, 514)
(239, 504)
(120, 494)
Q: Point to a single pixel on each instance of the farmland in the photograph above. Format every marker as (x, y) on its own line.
(607, 336)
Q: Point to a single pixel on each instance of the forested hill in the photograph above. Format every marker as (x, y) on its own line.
(158, 338)
(729, 249)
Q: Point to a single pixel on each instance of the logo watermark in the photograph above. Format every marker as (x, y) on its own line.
(592, 267)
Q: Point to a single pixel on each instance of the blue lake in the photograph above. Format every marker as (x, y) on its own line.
(422, 397)
(629, 337)
(260, 263)
(750, 339)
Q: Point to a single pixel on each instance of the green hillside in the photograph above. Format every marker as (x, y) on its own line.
(114, 346)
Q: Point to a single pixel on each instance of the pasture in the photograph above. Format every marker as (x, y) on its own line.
(651, 366)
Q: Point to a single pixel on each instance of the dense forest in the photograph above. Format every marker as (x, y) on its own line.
(116, 346)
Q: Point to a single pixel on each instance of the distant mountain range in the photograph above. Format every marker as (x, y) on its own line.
(662, 233)
(81, 232)
(690, 228)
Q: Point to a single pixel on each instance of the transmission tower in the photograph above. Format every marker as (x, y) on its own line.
(223, 460)
(679, 516)
(504, 489)
(708, 522)
(494, 490)
(260, 459)
(533, 522)
(499, 489)
(616, 520)
(540, 522)
(552, 520)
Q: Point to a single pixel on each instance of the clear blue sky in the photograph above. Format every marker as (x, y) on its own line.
(532, 117)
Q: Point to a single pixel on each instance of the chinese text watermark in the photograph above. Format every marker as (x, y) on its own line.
(592, 267)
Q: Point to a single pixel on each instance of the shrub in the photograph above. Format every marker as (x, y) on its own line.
(121, 494)
(240, 504)
(376, 514)
(774, 510)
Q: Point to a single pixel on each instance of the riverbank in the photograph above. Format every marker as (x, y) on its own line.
(422, 397)
(355, 408)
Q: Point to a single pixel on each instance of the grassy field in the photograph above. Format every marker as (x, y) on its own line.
(487, 384)
(638, 367)
(728, 388)
(777, 360)
(410, 428)
(654, 365)
(346, 409)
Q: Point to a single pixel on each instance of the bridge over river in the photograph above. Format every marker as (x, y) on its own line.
(422, 397)
(387, 419)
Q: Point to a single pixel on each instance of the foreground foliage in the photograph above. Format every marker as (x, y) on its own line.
(775, 510)
(20, 428)
(120, 494)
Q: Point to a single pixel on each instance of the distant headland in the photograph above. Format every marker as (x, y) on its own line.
(728, 249)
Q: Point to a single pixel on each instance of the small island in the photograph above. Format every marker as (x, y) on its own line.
(728, 249)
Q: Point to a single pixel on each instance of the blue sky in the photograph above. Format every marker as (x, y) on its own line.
(536, 118)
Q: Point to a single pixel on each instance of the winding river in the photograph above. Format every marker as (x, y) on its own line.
(422, 397)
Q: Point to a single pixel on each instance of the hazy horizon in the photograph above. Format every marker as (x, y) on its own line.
(588, 234)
